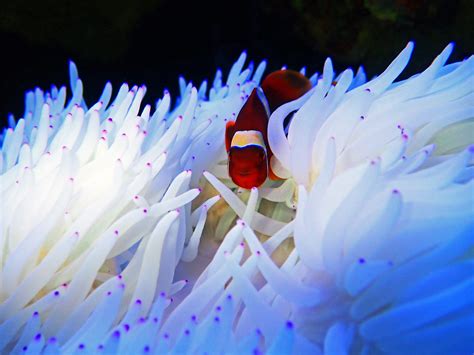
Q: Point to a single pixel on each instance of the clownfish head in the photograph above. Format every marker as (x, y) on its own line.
(248, 163)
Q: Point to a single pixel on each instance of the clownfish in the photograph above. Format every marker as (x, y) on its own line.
(246, 138)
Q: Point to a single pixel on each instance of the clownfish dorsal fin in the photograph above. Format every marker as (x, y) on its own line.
(263, 100)
(283, 86)
(229, 134)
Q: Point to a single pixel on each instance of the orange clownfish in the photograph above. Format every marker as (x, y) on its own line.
(246, 137)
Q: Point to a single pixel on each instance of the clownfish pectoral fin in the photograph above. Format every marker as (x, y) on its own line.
(276, 171)
(229, 134)
(272, 175)
(263, 100)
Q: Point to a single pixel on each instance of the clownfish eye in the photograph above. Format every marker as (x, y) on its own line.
(261, 155)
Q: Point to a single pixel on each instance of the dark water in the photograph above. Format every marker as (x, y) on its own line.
(153, 42)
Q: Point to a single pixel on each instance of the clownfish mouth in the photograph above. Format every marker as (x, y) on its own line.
(245, 173)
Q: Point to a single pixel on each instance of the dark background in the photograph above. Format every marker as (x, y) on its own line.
(154, 41)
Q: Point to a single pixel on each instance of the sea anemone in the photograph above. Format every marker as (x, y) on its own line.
(110, 242)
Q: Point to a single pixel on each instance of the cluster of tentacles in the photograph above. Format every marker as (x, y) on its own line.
(121, 231)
